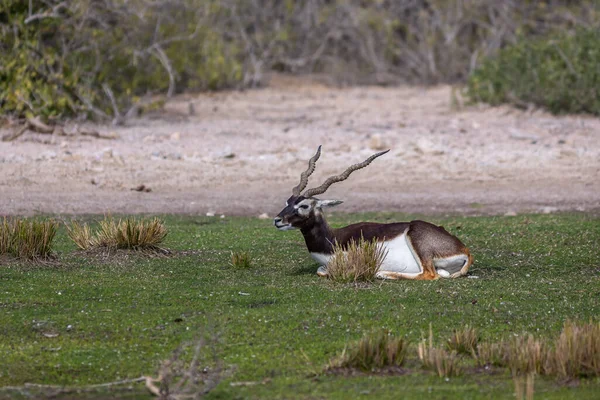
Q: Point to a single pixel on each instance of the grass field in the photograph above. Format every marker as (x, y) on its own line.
(93, 319)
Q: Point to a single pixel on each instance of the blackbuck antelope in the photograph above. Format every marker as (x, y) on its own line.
(415, 250)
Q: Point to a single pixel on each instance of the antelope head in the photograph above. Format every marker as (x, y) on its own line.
(302, 209)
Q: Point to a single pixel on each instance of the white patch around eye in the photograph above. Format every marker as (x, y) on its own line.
(303, 210)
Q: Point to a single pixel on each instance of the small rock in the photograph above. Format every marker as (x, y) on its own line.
(565, 153)
(229, 155)
(175, 136)
(510, 213)
(46, 155)
(159, 155)
(210, 214)
(175, 156)
(376, 142)
(426, 146)
(263, 216)
(549, 210)
(142, 188)
(95, 181)
(518, 135)
(106, 152)
(222, 216)
(148, 139)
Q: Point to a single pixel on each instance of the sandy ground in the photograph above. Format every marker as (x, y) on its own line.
(241, 153)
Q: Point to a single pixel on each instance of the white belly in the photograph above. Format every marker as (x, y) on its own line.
(399, 257)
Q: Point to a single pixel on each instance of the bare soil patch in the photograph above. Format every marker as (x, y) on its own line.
(240, 153)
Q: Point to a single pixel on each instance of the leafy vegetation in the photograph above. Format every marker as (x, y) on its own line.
(559, 73)
(93, 321)
(85, 58)
(109, 60)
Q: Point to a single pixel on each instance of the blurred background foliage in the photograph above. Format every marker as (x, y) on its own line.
(109, 59)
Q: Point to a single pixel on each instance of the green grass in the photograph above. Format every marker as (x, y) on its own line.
(120, 318)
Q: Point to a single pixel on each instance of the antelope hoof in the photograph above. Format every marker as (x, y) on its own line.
(322, 271)
(382, 275)
(443, 273)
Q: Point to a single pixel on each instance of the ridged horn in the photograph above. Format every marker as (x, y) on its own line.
(304, 176)
(343, 176)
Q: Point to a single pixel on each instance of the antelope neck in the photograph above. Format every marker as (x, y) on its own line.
(318, 236)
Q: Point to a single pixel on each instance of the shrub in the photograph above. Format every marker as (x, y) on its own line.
(559, 73)
(358, 262)
(374, 351)
(241, 259)
(31, 240)
(130, 234)
(84, 58)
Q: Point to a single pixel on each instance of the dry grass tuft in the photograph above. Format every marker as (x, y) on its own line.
(438, 359)
(463, 341)
(374, 351)
(359, 262)
(490, 354)
(576, 352)
(241, 259)
(5, 236)
(30, 240)
(130, 233)
(524, 386)
(526, 355)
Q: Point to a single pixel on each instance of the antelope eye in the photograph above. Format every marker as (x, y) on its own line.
(304, 206)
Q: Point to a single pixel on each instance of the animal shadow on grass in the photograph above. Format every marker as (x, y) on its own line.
(310, 269)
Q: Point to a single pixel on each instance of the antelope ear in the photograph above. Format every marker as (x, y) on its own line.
(328, 203)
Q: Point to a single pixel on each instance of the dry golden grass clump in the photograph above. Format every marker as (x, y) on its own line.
(372, 352)
(489, 353)
(241, 259)
(359, 262)
(525, 355)
(130, 233)
(31, 240)
(463, 341)
(438, 359)
(576, 352)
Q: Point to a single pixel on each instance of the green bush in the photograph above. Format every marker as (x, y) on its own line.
(85, 58)
(561, 74)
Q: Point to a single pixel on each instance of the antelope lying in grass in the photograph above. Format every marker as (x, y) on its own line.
(415, 250)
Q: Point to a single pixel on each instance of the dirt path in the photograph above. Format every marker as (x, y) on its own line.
(242, 152)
